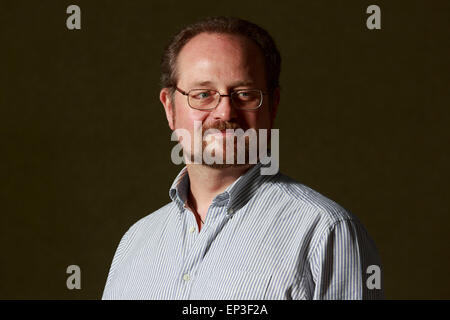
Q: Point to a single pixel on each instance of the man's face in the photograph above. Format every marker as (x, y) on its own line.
(223, 63)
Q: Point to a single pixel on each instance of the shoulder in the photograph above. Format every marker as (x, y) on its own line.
(150, 221)
(316, 217)
(301, 199)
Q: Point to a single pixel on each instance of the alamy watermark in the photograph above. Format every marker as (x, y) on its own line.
(73, 21)
(222, 148)
(74, 280)
(374, 280)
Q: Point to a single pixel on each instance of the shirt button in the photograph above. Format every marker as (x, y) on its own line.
(186, 277)
(192, 229)
(231, 211)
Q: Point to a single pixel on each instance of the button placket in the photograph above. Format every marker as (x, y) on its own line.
(199, 243)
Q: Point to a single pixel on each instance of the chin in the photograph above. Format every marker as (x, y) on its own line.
(225, 165)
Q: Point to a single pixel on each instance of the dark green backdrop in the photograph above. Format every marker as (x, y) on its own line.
(85, 147)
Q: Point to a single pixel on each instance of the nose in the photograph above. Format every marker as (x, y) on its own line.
(225, 110)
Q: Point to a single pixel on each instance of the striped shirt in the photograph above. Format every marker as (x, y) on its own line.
(264, 237)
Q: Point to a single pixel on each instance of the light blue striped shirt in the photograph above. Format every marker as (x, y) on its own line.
(265, 237)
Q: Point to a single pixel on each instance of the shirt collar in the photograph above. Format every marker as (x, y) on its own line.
(178, 189)
(235, 195)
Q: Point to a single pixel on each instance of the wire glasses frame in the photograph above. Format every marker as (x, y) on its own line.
(215, 97)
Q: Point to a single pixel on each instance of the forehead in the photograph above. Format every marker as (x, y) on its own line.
(220, 57)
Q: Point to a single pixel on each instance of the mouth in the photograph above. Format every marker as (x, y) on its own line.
(223, 133)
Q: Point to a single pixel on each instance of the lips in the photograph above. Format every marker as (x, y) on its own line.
(222, 133)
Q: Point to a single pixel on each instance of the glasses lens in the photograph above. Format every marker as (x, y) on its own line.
(203, 98)
(247, 99)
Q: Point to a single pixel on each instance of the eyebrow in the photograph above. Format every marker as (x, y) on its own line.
(236, 84)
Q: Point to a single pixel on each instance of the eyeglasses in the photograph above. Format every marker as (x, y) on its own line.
(207, 99)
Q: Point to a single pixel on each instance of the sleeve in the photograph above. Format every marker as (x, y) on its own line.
(345, 264)
(108, 292)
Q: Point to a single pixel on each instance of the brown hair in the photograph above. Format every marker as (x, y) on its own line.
(224, 25)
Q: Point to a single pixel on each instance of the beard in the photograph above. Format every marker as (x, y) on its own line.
(226, 150)
(220, 150)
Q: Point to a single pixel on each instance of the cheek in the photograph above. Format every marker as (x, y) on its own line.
(257, 120)
(186, 116)
(185, 120)
(264, 118)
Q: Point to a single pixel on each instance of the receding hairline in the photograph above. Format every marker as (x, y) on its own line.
(244, 38)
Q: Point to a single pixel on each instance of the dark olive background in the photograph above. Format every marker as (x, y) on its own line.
(85, 145)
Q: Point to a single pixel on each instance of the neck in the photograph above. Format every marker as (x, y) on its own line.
(206, 183)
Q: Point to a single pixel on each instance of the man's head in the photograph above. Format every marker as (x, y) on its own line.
(222, 54)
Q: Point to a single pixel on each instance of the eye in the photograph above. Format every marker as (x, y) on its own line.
(200, 95)
(247, 95)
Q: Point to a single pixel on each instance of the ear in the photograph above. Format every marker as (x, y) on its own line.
(275, 104)
(165, 98)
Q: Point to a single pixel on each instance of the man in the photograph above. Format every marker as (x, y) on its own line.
(231, 232)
